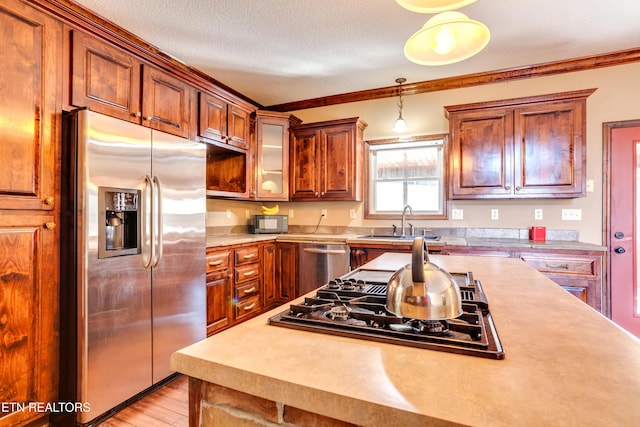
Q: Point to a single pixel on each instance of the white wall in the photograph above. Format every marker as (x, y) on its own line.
(617, 98)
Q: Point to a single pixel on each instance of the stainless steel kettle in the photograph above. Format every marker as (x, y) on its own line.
(422, 290)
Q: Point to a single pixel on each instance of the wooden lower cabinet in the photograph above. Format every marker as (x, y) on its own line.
(286, 271)
(578, 272)
(219, 283)
(269, 288)
(241, 283)
(29, 313)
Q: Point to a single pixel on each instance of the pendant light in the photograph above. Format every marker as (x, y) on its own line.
(433, 6)
(400, 125)
(446, 38)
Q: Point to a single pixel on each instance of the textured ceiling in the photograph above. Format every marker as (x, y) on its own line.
(277, 51)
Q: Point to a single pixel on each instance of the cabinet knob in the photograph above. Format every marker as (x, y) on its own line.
(518, 188)
(50, 225)
(316, 194)
(138, 114)
(508, 187)
(149, 118)
(619, 250)
(49, 201)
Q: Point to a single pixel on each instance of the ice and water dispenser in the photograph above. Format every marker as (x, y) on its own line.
(119, 230)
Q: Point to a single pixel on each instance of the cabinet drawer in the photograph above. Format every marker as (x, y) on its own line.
(247, 290)
(247, 307)
(562, 265)
(247, 255)
(247, 272)
(218, 260)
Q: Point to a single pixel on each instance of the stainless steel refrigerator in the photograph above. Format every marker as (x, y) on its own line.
(136, 219)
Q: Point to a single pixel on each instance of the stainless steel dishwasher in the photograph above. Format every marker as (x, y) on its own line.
(320, 262)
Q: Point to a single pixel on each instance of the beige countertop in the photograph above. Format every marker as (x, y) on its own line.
(565, 364)
(235, 239)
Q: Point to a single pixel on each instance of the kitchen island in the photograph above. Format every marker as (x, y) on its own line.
(565, 364)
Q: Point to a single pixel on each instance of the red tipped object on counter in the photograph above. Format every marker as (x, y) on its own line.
(538, 233)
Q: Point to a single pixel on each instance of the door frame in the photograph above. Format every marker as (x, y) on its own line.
(607, 128)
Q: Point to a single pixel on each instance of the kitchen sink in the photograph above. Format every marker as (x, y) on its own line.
(391, 237)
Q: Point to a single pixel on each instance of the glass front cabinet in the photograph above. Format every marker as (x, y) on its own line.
(272, 154)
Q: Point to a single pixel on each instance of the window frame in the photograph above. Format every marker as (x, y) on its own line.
(368, 212)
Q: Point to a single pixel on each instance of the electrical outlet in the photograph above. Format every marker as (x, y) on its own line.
(457, 214)
(290, 213)
(352, 213)
(228, 213)
(494, 214)
(571, 214)
(247, 213)
(590, 186)
(324, 212)
(537, 214)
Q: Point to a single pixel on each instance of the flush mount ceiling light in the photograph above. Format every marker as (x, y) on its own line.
(433, 6)
(400, 125)
(446, 38)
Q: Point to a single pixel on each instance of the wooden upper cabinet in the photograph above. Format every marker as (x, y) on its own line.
(104, 78)
(108, 80)
(166, 102)
(223, 122)
(271, 163)
(31, 46)
(326, 160)
(519, 148)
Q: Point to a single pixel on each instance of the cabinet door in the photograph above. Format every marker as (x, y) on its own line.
(29, 313)
(304, 175)
(481, 159)
(269, 275)
(219, 307)
(238, 127)
(272, 158)
(549, 152)
(166, 102)
(286, 271)
(30, 83)
(104, 78)
(213, 118)
(337, 163)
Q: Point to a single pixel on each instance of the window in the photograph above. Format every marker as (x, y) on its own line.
(402, 172)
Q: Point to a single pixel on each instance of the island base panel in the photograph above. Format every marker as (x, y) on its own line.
(215, 405)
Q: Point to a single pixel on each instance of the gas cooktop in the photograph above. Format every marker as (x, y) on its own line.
(354, 306)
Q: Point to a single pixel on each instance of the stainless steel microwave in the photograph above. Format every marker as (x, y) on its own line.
(265, 224)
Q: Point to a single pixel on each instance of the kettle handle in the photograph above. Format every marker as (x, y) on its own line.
(419, 254)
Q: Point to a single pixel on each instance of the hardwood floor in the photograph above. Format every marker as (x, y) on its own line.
(167, 406)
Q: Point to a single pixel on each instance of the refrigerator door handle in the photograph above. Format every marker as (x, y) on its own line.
(147, 249)
(157, 217)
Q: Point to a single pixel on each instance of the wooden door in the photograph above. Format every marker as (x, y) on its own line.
(286, 271)
(166, 102)
(30, 82)
(238, 127)
(213, 118)
(481, 159)
(104, 78)
(337, 163)
(304, 174)
(623, 230)
(269, 295)
(29, 311)
(549, 155)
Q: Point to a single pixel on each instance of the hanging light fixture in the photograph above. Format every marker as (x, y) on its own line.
(400, 125)
(446, 38)
(433, 6)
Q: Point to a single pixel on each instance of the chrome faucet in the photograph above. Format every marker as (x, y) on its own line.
(404, 213)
